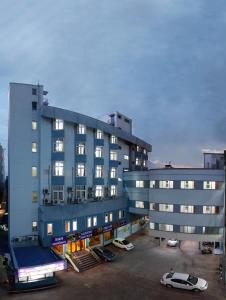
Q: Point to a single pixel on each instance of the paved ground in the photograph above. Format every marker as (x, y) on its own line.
(135, 275)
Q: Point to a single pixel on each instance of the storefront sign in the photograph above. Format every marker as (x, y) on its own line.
(85, 234)
(59, 240)
(107, 228)
(122, 223)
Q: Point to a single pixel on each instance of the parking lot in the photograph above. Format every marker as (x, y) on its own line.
(136, 275)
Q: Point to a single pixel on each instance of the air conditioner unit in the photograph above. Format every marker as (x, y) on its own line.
(55, 202)
(45, 191)
(69, 189)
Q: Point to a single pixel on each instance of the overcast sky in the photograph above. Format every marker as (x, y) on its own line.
(160, 62)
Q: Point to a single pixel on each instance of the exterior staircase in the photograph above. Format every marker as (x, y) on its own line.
(84, 260)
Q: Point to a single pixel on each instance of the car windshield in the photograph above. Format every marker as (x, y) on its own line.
(192, 279)
(105, 251)
(169, 275)
(125, 242)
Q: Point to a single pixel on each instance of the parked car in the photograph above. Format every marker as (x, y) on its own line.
(104, 253)
(123, 244)
(172, 243)
(184, 281)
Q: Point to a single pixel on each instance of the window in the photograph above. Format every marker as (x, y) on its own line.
(58, 124)
(121, 214)
(152, 184)
(165, 227)
(139, 204)
(106, 218)
(145, 151)
(57, 193)
(138, 161)
(58, 168)
(89, 222)
(187, 209)
(113, 172)
(187, 229)
(34, 91)
(209, 185)
(74, 225)
(34, 197)
(34, 226)
(138, 149)
(81, 129)
(99, 134)
(99, 151)
(187, 184)
(145, 163)
(58, 145)
(152, 206)
(210, 209)
(139, 183)
(110, 217)
(166, 207)
(80, 192)
(67, 226)
(152, 225)
(34, 125)
(113, 139)
(80, 149)
(99, 172)
(166, 184)
(99, 191)
(34, 105)
(95, 221)
(34, 171)
(34, 147)
(113, 190)
(113, 155)
(126, 157)
(80, 170)
(49, 229)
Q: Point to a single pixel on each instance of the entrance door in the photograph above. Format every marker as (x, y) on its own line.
(80, 245)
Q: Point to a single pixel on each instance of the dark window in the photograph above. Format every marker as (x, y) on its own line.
(34, 91)
(34, 105)
(126, 120)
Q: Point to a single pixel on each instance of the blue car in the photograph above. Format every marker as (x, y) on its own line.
(104, 253)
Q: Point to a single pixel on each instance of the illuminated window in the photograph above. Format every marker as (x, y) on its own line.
(152, 225)
(58, 194)
(110, 217)
(99, 171)
(81, 129)
(58, 168)
(99, 134)
(80, 171)
(95, 221)
(34, 125)
(152, 184)
(67, 226)
(138, 161)
(99, 151)
(113, 190)
(187, 209)
(34, 171)
(126, 157)
(113, 155)
(152, 206)
(89, 222)
(34, 196)
(58, 124)
(113, 172)
(209, 185)
(166, 207)
(34, 226)
(210, 209)
(121, 214)
(187, 229)
(189, 184)
(58, 145)
(166, 184)
(99, 191)
(139, 204)
(165, 227)
(106, 218)
(113, 139)
(80, 149)
(139, 183)
(49, 229)
(74, 225)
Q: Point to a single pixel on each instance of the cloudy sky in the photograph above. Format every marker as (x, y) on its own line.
(160, 62)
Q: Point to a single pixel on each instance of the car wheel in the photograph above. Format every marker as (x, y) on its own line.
(196, 290)
(169, 285)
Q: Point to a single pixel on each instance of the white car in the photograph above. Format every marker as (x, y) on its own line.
(184, 281)
(172, 243)
(123, 244)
